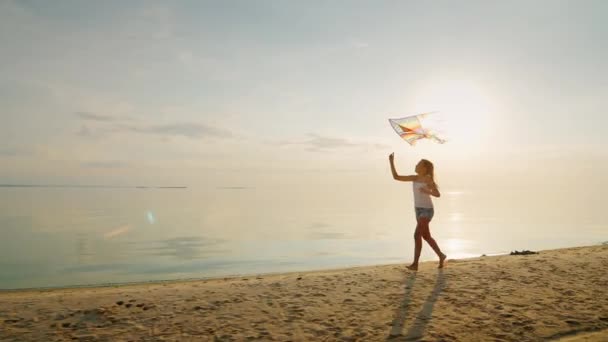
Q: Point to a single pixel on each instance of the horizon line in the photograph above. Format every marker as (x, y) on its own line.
(89, 186)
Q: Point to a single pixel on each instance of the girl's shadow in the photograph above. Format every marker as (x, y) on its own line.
(416, 330)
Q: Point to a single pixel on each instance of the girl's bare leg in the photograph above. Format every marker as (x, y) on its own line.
(417, 248)
(426, 235)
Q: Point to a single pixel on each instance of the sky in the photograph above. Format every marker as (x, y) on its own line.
(298, 93)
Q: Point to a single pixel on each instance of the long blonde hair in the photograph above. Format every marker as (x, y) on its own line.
(430, 170)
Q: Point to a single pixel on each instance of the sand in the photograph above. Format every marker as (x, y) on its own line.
(557, 294)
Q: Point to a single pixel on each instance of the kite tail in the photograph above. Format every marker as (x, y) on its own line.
(437, 139)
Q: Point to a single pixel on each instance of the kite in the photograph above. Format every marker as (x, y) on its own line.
(411, 129)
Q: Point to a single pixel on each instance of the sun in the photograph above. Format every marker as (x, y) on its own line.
(464, 108)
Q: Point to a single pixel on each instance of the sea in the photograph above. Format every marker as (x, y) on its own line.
(57, 236)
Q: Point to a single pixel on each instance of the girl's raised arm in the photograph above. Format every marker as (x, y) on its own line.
(391, 158)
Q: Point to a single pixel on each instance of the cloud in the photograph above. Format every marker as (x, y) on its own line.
(95, 117)
(358, 44)
(316, 142)
(188, 130)
(210, 68)
(86, 131)
(154, 21)
(320, 143)
(98, 125)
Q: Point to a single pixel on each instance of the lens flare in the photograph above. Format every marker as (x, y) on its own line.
(150, 216)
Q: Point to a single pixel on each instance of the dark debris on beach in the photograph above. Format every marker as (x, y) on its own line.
(523, 252)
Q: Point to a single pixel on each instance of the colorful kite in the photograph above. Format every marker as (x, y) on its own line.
(411, 129)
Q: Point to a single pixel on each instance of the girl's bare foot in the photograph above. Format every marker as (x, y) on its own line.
(442, 260)
(413, 267)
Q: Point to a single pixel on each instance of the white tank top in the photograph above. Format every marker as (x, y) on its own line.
(421, 200)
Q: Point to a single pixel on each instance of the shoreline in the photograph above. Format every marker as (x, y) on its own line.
(557, 294)
(230, 276)
(249, 275)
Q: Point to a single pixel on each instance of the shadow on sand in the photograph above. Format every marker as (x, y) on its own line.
(416, 330)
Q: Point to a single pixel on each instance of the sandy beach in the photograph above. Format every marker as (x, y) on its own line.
(557, 294)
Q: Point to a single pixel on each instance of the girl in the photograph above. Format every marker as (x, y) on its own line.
(424, 187)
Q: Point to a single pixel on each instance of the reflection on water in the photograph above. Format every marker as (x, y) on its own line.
(83, 249)
(117, 231)
(56, 237)
(456, 217)
(458, 248)
(192, 247)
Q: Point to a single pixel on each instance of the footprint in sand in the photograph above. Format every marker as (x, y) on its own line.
(573, 322)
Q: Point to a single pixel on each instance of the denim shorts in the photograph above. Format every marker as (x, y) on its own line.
(424, 212)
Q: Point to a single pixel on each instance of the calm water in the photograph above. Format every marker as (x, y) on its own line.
(75, 236)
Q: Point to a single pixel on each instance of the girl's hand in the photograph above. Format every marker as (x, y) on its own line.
(428, 180)
(391, 157)
(430, 190)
